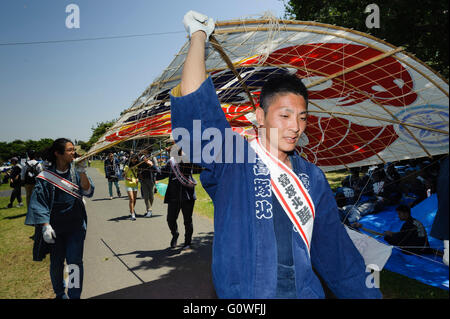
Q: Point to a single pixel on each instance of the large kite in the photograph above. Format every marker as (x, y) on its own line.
(370, 102)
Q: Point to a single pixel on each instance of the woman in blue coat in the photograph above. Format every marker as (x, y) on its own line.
(57, 207)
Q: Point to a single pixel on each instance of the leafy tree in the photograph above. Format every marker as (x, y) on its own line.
(97, 132)
(21, 148)
(421, 26)
(83, 145)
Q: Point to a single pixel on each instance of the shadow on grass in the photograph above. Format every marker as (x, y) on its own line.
(16, 216)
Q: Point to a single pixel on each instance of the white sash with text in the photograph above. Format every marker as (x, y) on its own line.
(62, 183)
(290, 192)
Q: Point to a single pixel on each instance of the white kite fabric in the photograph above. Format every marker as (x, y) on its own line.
(369, 102)
(374, 253)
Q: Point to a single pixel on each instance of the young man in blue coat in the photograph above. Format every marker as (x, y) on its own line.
(263, 247)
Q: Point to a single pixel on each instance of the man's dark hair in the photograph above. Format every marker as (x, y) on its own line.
(59, 146)
(281, 84)
(404, 209)
(31, 154)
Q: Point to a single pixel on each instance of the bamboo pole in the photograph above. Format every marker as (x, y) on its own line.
(372, 231)
(355, 67)
(230, 65)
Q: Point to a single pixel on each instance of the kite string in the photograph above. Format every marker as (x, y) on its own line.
(359, 197)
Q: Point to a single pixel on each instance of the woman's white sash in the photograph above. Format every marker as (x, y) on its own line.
(290, 191)
(62, 183)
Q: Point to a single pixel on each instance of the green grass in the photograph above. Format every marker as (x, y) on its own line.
(5, 187)
(203, 205)
(99, 166)
(395, 286)
(335, 178)
(20, 276)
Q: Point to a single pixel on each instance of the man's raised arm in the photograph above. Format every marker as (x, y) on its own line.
(199, 28)
(196, 114)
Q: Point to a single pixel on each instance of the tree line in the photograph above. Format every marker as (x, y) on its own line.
(20, 148)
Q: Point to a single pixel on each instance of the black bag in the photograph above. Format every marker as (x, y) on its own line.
(31, 173)
(40, 247)
(14, 175)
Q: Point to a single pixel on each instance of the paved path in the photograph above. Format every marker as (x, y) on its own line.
(131, 259)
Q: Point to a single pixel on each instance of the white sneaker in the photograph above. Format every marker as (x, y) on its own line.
(133, 217)
(149, 214)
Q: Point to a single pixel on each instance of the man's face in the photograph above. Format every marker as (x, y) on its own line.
(287, 113)
(402, 215)
(68, 155)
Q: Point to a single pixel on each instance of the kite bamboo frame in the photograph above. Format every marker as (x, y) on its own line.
(235, 26)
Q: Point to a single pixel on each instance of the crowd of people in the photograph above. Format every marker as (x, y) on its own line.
(22, 173)
(401, 185)
(142, 171)
(391, 184)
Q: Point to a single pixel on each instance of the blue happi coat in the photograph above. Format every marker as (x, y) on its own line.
(244, 261)
(42, 199)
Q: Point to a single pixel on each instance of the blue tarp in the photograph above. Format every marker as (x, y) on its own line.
(428, 269)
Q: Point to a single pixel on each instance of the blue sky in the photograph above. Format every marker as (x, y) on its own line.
(64, 89)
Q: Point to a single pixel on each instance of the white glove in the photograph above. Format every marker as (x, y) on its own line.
(194, 21)
(48, 234)
(81, 166)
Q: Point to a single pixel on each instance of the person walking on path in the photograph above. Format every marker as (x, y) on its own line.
(180, 195)
(57, 209)
(147, 170)
(15, 183)
(132, 184)
(30, 171)
(112, 174)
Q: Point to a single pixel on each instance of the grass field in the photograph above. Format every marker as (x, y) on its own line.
(21, 278)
